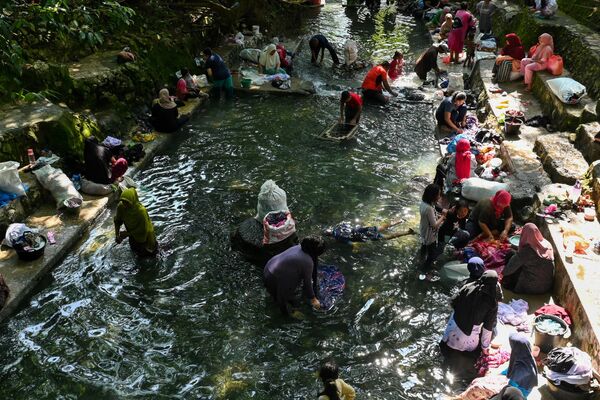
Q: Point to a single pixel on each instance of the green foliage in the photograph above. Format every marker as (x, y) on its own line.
(56, 24)
(25, 96)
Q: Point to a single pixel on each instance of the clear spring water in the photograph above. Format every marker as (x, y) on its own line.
(197, 323)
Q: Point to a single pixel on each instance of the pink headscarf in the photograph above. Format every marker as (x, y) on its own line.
(118, 169)
(500, 201)
(532, 237)
(545, 49)
(463, 159)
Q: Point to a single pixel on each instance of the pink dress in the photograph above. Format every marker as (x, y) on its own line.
(456, 38)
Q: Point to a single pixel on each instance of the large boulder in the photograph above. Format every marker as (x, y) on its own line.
(586, 143)
(561, 160)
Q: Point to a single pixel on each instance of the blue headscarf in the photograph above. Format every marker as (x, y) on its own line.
(476, 268)
(522, 369)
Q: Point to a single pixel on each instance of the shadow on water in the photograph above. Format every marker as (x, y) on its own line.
(197, 323)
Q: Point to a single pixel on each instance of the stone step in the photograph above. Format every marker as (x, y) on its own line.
(561, 160)
(564, 116)
(585, 142)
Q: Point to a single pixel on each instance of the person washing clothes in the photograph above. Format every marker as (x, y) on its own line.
(334, 388)
(138, 227)
(318, 44)
(269, 62)
(218, 73)
(428, 61)
(374, 83)
(396, 66)
(186, 87)
(472, 323)
(491, 218)
(531, 270)
(165, 115)
(451, 113)
(296, 266)
(351, 105)
(461, 164)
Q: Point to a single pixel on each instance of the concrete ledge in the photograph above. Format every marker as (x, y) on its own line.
(576, 282)
(22, 277)
(585, 141)
(561, 160)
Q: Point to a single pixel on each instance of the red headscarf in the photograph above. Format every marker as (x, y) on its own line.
(513, 47)
(500, 201)
(532, 237)
(463, 159)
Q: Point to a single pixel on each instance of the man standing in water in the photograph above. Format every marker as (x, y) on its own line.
(296, 266)
(428, 61)
(374, 83)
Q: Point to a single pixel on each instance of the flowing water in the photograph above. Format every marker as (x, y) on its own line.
(197, 323)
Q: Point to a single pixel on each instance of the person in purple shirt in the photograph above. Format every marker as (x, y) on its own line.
(285, 272)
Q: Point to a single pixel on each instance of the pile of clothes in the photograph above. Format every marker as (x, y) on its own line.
(492, 252)
(331, 285)
(570, 367)
(515, 314)
(491, 361)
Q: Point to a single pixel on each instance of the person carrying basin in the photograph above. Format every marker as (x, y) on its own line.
(374, 83)
(318, 43)
(351, 105)
(295, 267)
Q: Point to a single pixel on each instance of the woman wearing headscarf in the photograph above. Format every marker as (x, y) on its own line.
(539, 60)
(475, 313)
(491, 218)
(165, 116)
(531, 270)
(522, 370)
(476, 268)
(461, 164)
(514, 383)
(269, 62)
(97, 161)
(446, 26)
(138, 227)
(512, 51)
(456, 38)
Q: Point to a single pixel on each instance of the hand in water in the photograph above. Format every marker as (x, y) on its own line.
(315, 303)
(297, 314)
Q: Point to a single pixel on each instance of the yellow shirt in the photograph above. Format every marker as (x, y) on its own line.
(345, 391)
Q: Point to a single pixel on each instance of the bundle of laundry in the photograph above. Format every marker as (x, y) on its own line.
(568, 365)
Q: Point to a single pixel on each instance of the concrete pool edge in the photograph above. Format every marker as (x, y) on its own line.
(22, 277)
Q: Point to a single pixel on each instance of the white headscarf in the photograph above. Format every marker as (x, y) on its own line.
(268, 60)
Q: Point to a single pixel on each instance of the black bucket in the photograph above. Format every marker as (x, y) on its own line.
(512, 128)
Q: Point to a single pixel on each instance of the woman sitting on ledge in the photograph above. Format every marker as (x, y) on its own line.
(539, 60)
(165, 116)
(531, 270)
(269, 62)
(545, 8)
(512, 51)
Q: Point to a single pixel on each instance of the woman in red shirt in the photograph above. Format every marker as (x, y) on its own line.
(396, 66)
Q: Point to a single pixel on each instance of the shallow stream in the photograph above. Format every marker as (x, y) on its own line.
(198, 323)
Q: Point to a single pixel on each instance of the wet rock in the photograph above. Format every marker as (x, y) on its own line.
(563, 162)
(585, 142)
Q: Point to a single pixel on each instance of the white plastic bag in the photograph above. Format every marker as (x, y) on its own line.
(14, 232)
(95, 189)
(239, 38)
(270, 198)
(276, 234)
(567, 90)
(251, 55)
(454, 271)
(350, 52)
(478, 189)
(9, 178)
(59, 184)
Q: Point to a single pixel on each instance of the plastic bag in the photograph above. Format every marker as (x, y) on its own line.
(555, 65)
(239, 38)
(251, 55)
(350, 52)
(95, 189)
(14, 232)
(9, 178)
(567, 90)
(270, 198)
(454, 271)
(478, 189)
(277, 232)
(59, 184)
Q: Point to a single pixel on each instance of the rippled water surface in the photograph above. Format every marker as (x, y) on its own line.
(197, 323)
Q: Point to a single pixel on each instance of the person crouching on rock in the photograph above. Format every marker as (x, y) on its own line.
(285, 272)
(138, 227)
